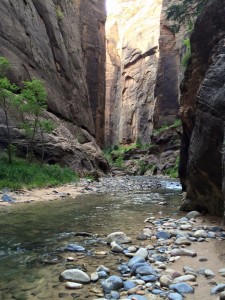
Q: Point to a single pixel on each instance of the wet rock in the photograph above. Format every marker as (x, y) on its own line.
(7, 198)
(193, 214)
(128, 284)
(182, 241)
(103, 268)
(182, 288)
(175, 296)
(94, 277)
(113, 283)
(142, 252)
(116, 247)
(146, 270)
(184, 278)
(200, 234)
(183, 252)
(209, 273)
(74, 248)
(165, 280)
(75, 275)
(73, 285)
(135, 260)
(163, 235)
(118, 237)
(217, 289)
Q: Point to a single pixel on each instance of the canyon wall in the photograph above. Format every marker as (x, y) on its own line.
(61, 43)
(202, 112)
(143, 71)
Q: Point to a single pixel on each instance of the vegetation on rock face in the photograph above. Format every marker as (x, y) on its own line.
(184, 13)
(28, 104)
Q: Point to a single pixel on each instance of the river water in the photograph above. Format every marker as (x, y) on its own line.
(33, 235)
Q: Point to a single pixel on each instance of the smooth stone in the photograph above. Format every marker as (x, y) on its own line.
(193, 214)
(113, 295)
(7, 198)
(186, 227)
(134, 260)
(128, 284)
(102, 274)
(75, 275)
(165, 280)
(118, 237)
(142, 252)
(132, 249)
(209, 273)
(116, 247)
(222, 270)
(183, 220)
(200, 234)
(217, 289)
(74, 248)
(211, 235)
(175, 296)
(73, 285)
(113, 283)
(182, 288)
(137, 297)
(137, 265)
(103, 268)
(183, 252)
(163, 235)
(184, 278)
(149, 278)
(182, 241)
(94, 277)
(123, 269)
(145, 270)
(222, 296)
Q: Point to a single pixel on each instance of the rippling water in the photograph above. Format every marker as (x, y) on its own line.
(30, 234)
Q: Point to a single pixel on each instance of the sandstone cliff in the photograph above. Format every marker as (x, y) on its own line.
(202, 112)
(61, 43)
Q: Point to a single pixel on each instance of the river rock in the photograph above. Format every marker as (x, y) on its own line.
(163, 235)
(135, 260)
(175, 296)
(183, 252)
(182, 241)
(74, 248)
(113, 283)
(116, 247)
(128, 284)
(184, 278)
(149, 278)
(200, 234)
(73, 285)
(218, 288)
(182, 288)
(142, 252)
(118, 237)
(75, 275)
(165, 280)
(193, 214)
(209, 273)
(146, 270)
(94, 277)
(222, 296)
(103, 268)
(186, 227)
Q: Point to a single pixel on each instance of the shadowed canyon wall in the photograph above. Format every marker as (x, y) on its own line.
(142, 71)
(202, 112)
(63, 44)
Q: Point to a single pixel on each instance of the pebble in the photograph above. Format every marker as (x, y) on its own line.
(75, 275)
(184, 278)
(116, 247)
(182, 288)
(113, 283)
(183, 252)
(73, 285)
(118, 237)
(175, 296)
(193, 214)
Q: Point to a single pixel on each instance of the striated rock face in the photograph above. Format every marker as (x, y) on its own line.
(132, 60)
(143, 70)
(202, 112)
(61, 43)
(169, 72)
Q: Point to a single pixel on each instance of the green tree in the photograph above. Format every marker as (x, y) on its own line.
(184, 13)
(33, 101)
(7, 98)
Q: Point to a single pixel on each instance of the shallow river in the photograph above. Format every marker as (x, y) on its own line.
(32, 237)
